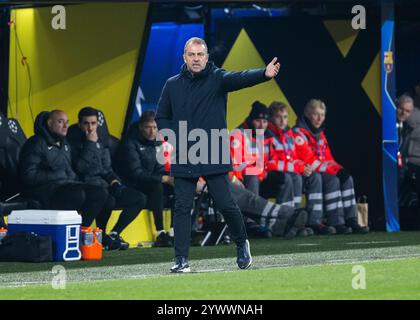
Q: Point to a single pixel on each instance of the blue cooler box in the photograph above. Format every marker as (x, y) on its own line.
(62, 226)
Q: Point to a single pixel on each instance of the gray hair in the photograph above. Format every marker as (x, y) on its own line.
(197, 41)
(312, 105)
(404, 98)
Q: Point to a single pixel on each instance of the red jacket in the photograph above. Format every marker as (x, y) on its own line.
(246, 153)
(167, 152)
(285, 149)
(312, 151)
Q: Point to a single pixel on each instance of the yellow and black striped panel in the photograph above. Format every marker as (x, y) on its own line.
(244, 55)
(320, 58)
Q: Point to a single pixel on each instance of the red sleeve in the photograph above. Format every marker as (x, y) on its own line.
(332, 166)
(167, 152)
(304, 151)
(236, 153)
(272, 161)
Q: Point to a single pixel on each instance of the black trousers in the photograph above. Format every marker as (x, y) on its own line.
(219, 189)
(414, 175)
(2, 223)
(155, 193)
(130, 201)
(86, 199)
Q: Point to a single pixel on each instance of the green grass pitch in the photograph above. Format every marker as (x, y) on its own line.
(310, 268)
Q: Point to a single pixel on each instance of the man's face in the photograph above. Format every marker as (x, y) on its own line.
(89, 124)
(58, 123)
(196, 57)
(404, 111)
(149, 130)
(317, 117)
(280, 119)
(260, 124)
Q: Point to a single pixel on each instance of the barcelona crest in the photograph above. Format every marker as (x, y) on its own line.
(388, 61)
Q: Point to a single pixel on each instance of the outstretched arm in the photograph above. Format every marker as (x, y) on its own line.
(272, 68)
(238, 80)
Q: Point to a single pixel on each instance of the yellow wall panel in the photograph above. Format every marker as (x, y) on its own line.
(372, 84)
(342, 33)
(244, 55)
(92, 62)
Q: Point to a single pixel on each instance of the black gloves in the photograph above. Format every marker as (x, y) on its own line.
(343, 175)
(117, 188)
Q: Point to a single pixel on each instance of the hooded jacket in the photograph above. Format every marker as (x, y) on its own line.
(313, 149)
(91, 160)
(199, 102)
(45, 162)
(137, 161)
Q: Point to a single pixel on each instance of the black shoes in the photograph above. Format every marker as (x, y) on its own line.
(255, 230)
(113, 241)
(352, 223)
(323, 229)
(305, 232)
(181, 265)
(164, 240)
(296, 223)
(343, 229)
(244, 259)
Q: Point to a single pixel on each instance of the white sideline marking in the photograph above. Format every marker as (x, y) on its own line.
(372, 242)
(160, 270)
(405, 256)
(308, 244)
(209, 270)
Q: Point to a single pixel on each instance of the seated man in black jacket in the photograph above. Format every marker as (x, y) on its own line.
(140, 169)
(92, 162)
(45, 169)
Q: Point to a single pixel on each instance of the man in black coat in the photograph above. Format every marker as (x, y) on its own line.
(92, 163)
(45, 168)
(192, 103)
(138, 165)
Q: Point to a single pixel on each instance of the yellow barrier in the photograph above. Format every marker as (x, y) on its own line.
(142, 230)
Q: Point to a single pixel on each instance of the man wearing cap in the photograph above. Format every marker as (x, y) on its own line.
(194, 99)
(252, 148)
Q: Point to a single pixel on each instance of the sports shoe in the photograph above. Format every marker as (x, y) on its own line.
(323, 229)
(357, 228)
(259, 232)
(255, 230)
(296, 222)
(309, 231)
(244, 259)
(113, 241)
(302, 233)
(181, 265)
(343, 229)
(164, 240)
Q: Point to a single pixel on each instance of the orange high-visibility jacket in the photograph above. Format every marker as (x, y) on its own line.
(314, 152)
(285, 149)
(250, 157)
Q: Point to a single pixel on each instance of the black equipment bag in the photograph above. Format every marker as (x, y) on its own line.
(26, 247)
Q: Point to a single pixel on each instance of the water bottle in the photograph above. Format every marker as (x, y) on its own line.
(87, 236)
(98, 234)
(3, 233)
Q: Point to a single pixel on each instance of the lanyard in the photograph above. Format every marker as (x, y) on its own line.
(321, 149)
(288, 145)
